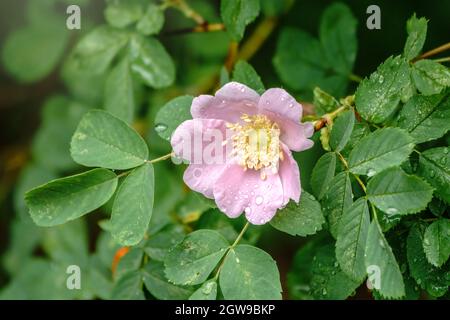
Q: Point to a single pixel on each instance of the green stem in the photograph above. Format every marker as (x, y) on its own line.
(186, 10)
(239, 237)
(164, 157)
(358, 179)
(354, 77)
(446, 59)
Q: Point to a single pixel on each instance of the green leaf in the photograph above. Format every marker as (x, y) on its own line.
(151, 62)
(300, 219)
(249, 273)
(351, 239)
(20, 57)
(398, 193)
(322, 174)
(430, 77)
(426, 117)
(208, 291)
(172, 114)
(328, 281)
(342, 130)
(427, 276)
(128, 287)
(379, 256)
(130, 262)
(152, 21)
(157, 246)
(66, 199)
(417, 33)
(102, 140)
(156, 282)
(133, 206)
(324, 102)
(191, 261)
(244, 73)
(377, 97)
(436, 242)
(434, 166)
(121, 13)
(96, 50)
(272, 8)
(237, 14)
(338, 35)
(383, 148)
(337, 199)
(119, 97)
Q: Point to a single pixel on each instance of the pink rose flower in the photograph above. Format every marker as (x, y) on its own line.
(238, 146)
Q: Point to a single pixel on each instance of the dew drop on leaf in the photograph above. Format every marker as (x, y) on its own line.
(160, 127)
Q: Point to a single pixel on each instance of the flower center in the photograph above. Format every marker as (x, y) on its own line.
(256, 143)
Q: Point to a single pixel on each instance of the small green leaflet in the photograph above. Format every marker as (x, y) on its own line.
(129, 287)
(191, 261)
(121, 13)
(133, 206)
(434, 166)
(377, 97)
(342, 130)
(397, 193)
(244, 73)
(324, 102)
(322, 174)
(351, 239)
(430, 77)
(66, 199)
(249, 273)
(152, 21)
(417, 33)
(172, 114)
(300, 219)
(157, 246)
(337, 199)
(383, 148)
(426, 117)
(436, 242)
(156, 282)
(208, 291)
(102, 140)
(381, 265)
(151, 62)
(237, 14)
(132, 261)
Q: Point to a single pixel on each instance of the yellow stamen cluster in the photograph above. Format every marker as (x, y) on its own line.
(256, 143)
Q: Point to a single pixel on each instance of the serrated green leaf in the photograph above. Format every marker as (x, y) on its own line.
(133, 206)
(427, 276)
(128, 287)
(191, 261)
(156, 282)
(430, 77)
(66, 199)
(237, 14)
(157, 246)
(383, 148)
(342, 130)
(249, 273)
(172, 114)
(324, 102)
(151, 62)
(244, 73)
(379, 257)
(377, 97)
(208, 291)
(417, 33)
(322, 174)
(102, 140)
(338, 35)
(96, 50)
(121, 13)
(434, 166)
(398, 193)
(426, 117)
(337, 199)
(119, 92)
(300, 219)
(328, 281)
(351, 239)
(436, 242)
(152, 21)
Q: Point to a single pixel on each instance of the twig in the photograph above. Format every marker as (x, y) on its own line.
(206, 27)
(434, 51)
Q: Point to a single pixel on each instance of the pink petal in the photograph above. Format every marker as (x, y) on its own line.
(238, 191)
(201, 178)
(193, 139)
(295, 135)
(290, 177)
(278, 102)
(229, 104)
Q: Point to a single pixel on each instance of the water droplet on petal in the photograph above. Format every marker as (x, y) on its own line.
(291, 105)
(248, 210)
(259, 200)
(197, 173)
